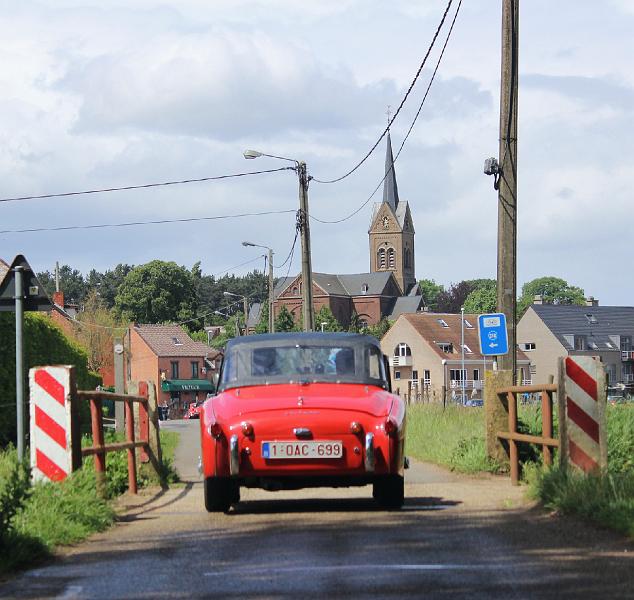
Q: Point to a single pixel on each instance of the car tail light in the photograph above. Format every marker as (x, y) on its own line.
(247, 429)
(390, 425)
(215, 430)
(355, 427)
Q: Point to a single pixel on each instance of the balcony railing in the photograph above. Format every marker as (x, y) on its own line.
(627, 354)
(469, 384)
(400, 361)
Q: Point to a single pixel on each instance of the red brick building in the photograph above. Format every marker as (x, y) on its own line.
(181, 368)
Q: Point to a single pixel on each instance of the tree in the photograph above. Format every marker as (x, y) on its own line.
(110, 281)
(157, 292)
(452, 300)
(263, 325)
(71, 282)
(553, 290)
(324, 315)
(483, 299)
(284, 321)
(430, 290)
(380, 329)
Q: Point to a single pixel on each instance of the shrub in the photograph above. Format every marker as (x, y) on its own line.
(14, 489)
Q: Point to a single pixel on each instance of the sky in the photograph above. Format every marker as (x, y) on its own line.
(109, 94)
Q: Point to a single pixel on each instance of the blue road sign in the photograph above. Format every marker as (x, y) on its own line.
(493, 335)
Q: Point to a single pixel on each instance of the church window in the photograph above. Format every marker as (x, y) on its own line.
(391, 258)
(364, 288)
(408, 258)
(381, 261)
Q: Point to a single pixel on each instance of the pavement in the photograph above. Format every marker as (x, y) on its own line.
(457, 536)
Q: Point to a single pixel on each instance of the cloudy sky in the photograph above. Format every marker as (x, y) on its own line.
(101, 94)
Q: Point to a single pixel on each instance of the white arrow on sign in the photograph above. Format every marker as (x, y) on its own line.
(493, 345)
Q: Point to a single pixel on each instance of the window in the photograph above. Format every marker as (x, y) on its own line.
(443, 323)
(296, 290)
(527, 346)
(194, 369)
(592, 319)
(391, 259)
(533, 369)
(402, 350)
(177, 342)
(415, 375)
(364, 288)
(446, 347)
(626, 343)
(458, 374)
(476, 374)
(397, 374)
(380, 259)
(174, 365)
(427, 376)
(408, 258)
(467, 324)
(467, 349)
(580, 342)
(363, 324)
(609, 345)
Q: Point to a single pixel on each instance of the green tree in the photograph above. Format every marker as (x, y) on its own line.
(483, 299)
(355, 323)
(552, 290)
(284, 321)
(71, 282)
(380, 329)
(263, 325)
(430, 290)
(110, 281)
(324, 315)
(157, 292)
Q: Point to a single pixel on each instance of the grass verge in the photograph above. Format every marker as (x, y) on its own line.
(34, 519)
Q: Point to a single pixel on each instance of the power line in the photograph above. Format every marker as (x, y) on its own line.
(157, 222)
(398, 110)
(431, 81)
(145, 185)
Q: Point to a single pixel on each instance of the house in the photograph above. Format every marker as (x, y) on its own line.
(435, 356)
(389, 289)
(181, 368)
(547, 332)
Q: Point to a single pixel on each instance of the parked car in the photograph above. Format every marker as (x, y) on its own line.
(297, 410)
(193, 410)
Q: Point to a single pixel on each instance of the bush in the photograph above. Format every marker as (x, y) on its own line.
(14, 490)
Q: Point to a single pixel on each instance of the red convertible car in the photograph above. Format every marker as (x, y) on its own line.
(298, 410)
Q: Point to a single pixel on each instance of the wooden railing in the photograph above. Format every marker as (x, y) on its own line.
(144, 422)
(512, 436)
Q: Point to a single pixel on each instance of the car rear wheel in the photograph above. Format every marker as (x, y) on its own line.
(389, 491)
(220, 493)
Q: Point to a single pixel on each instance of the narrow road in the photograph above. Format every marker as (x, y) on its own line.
(456, 537)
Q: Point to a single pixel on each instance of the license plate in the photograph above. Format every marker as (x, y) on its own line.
(302, 450)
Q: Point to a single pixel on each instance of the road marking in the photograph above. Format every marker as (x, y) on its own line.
(369, 567)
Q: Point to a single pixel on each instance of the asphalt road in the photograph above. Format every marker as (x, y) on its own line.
(456, 537)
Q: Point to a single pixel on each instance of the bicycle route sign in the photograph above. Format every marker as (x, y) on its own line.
(493, 335)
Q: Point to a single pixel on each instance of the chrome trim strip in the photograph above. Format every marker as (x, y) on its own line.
(369, 461)
(234, 453)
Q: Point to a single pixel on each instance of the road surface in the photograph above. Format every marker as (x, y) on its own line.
(457, 537)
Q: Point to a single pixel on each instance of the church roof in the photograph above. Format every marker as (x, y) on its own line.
(405, 305)
(344, 285)
(390, 189)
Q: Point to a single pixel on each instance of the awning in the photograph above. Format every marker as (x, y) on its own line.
(187, 385)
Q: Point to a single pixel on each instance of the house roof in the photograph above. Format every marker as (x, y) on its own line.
(172, 340)
(602, 325)
(344, 285)
(4, 269)
(405, 304)
(430, 327)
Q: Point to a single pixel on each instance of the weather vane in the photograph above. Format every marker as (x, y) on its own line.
(389, 114)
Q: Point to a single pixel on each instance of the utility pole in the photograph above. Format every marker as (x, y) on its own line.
(246, 315)
(507, 191)
(307, 274)
(19, 358)
(271, 298)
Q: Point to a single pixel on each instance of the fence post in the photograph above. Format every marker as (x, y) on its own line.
(511, 402)
(150, 431)
(96, 417)
(547, 426)
(129, 434)
(496, 413)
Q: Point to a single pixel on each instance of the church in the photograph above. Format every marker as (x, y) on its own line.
(389, 289)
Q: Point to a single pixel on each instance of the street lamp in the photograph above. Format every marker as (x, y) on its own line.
(246, 309)
(308, 312)
(323, 324)
(271, 298)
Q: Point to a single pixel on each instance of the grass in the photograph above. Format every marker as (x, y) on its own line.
(34, 519)
(452, 437)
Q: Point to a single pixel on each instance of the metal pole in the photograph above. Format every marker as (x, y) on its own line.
(271, 298)
(462, 373)
(246, 315)
(19, 359)
(307, 274)
(507, 191)
(119, 383)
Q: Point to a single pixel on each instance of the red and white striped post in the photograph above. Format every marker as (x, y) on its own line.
(583, 402)
(55, 439)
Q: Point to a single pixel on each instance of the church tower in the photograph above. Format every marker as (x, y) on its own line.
(391, 231)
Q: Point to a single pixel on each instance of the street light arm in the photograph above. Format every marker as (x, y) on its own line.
(251, 154)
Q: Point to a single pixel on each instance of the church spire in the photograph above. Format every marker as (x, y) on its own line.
(390, 191)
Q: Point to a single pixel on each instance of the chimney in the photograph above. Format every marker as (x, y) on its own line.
(590, 301)
(58, 298)
(538, 299)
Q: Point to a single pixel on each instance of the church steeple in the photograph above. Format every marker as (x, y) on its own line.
(390, 190)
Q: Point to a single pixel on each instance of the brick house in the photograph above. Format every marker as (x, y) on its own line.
(426, 357)
(547, 332)
(181, 368)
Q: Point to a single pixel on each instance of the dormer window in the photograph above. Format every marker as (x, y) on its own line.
(591, 319)
(176, 341)
(467, 324)
(442, 323)
(364, 288)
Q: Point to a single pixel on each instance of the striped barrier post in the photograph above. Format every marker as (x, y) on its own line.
(583, 402)
(55, 439)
